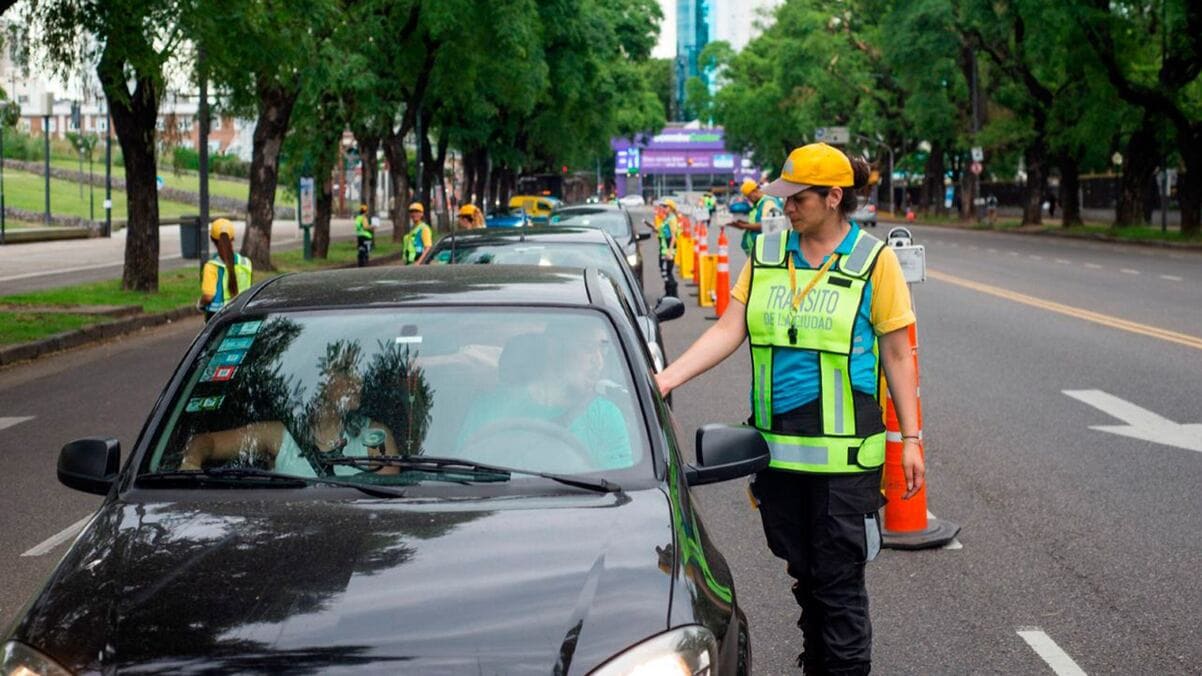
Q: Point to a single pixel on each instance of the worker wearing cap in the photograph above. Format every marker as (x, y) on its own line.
(761, 204)
(420, 236)
(226, 274)
(826, 307)
(365, 234)
(470, 217)
(667, 246)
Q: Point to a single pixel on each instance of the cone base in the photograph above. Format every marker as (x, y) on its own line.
(936, 534)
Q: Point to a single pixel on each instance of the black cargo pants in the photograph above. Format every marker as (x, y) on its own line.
(826, 528)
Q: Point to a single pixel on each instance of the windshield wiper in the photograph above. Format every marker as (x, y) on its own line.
(439, 464)
(272, 478)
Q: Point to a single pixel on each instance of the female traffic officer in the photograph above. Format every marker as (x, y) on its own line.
(825, 307)
(226, 274)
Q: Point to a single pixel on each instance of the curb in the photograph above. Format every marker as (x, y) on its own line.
(101, 332)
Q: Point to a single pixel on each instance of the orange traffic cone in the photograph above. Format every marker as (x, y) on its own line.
(698, 238)
(907, 524)
(722, 283)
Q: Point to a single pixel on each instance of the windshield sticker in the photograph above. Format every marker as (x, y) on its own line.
(237, 343)
(408, 339)
(228, 358)
(217, 374)
(245, 328)
(198, 404)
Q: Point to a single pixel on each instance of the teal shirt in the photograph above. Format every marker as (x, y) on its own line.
(599, 425)
(795, 375)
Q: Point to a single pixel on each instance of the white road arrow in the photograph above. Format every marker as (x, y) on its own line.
(1141, 423)
(6, 422)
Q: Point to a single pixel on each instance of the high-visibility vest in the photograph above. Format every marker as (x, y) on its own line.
(244, 272)
(757, 216)
(361, 229)
(666, 232)
(414, 244)
(824, 323)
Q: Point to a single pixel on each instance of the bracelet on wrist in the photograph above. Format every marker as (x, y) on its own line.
(907, 436)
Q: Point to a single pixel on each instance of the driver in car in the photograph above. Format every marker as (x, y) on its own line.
(553, 378)
(330, 425)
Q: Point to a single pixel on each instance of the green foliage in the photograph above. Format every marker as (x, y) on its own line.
(187, 159)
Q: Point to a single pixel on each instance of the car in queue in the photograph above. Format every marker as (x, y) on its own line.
(507, 218)
(611, 218)
(538, 208)
(563, 246)
(865, 213)
(418, 469)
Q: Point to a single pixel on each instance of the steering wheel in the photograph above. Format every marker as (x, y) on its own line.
(546, 429)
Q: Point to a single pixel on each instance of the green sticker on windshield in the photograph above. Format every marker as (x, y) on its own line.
(236, 343)
(245, 328)
(199, 404)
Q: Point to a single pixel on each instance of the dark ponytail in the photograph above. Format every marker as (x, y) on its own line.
(860, 172)
(225, 249)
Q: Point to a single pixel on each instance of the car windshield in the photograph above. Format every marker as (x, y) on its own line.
(532, 252)
(545, 391)
(613, 222)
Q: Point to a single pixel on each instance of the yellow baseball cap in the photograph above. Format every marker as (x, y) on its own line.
(468, 210)
(417, 206)
(220, 227)
(816, 164)
(670, 203)
(748, 186)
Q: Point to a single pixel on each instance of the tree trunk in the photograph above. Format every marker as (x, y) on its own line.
(481, 186)
(370, 179)
(134, 117)
(1070, 190)
(1139, 168)
(275, 111)
(969, 190)
(398, 174)
(932, 183)
(1035, 157)
(1189, 185)
(325, 210)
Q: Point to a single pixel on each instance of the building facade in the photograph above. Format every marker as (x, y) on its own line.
(678, 159)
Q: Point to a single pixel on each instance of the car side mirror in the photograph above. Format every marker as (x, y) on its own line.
(90, 465)
(668, 308)
(726, 452)
(643, 234)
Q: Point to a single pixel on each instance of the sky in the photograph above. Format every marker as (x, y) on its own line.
(666, 47)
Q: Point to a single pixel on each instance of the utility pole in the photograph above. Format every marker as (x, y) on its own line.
(203, 113)
(1164, 195)
(46, 148)
(420, 154)
(108, 170)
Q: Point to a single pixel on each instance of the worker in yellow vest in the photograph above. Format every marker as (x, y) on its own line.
(825, 308)
(365, 234)
(226, 274)
(420, 236)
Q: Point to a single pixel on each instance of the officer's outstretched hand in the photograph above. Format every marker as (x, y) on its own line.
(913, 467)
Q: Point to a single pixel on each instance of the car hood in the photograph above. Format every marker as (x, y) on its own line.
(513, 585)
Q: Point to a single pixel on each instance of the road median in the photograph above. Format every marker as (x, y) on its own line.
(1141, 235)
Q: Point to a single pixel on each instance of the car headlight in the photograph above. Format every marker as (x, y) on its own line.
(632, 258)
(18, 659)
(687, 651)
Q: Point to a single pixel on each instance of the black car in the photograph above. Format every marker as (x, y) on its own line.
(611, 218)
(563, 246)
(420, 470)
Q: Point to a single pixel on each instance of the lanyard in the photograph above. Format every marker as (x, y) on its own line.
(810, 286)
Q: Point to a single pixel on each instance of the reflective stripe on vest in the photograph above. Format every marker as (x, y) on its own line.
(243, 271)
(824, 323)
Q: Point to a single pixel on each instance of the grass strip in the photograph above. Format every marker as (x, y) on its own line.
(178, 287)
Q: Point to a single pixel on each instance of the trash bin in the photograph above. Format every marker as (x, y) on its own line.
(189, 237)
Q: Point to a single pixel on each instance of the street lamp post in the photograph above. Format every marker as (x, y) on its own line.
(108, 171)
(46, 137)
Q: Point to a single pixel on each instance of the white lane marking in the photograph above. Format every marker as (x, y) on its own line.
(954, 544)
(47, 545)
(1035, 258)
(991, 250)
(1129, 271)
(1046, 648)
(1093, 266)
(1141, 423)
(1171, 278)
(1014, 253)
(11, 421)
(1061, 260)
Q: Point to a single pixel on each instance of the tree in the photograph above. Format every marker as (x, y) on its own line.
(129, 42)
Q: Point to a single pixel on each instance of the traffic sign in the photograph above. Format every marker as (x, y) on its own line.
(975, 168)
(978, 154)
(835, 135)
(308, 203)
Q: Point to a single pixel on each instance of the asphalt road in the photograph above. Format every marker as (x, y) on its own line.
(1090, 536)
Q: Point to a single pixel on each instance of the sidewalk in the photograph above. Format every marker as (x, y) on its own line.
(46, 265)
